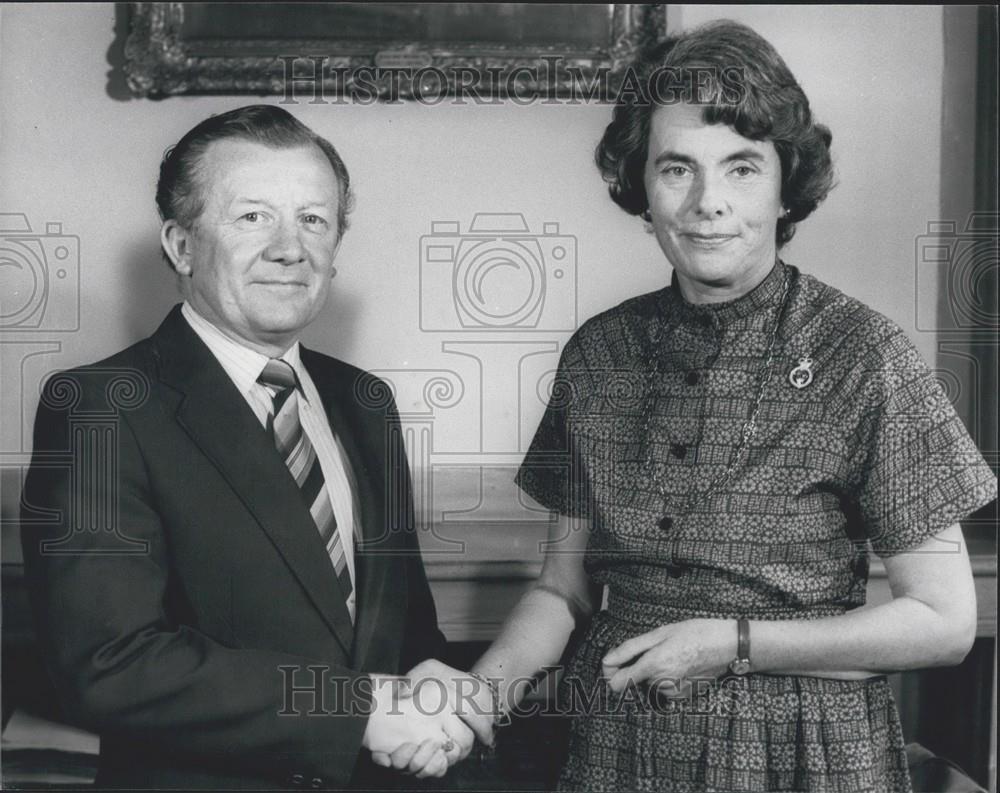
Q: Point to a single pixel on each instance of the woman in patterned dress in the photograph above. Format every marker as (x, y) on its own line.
(727, 451)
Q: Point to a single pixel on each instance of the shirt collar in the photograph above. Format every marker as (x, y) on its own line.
(242, 364)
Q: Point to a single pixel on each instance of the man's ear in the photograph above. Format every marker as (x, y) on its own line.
(176, 241)
(333, 270)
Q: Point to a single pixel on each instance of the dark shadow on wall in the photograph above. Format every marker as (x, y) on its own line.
(948, 710)
(968, 316)
(151, 287)
(985, 350)
(334, 331)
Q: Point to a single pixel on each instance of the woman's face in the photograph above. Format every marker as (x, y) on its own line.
(715, 199)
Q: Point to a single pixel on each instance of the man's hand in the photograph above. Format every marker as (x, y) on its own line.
(415, 735)
(468, 697)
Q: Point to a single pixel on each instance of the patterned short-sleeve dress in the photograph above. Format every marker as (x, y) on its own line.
(647, 411)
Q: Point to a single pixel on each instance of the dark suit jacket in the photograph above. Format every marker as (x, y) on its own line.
(182, 593)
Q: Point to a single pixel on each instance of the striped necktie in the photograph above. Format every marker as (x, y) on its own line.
(299, 455)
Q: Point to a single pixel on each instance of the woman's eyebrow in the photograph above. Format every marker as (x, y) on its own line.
(745, 154)
(674, 156)
(668, 155)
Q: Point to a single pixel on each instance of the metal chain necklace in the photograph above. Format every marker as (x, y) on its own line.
(749, 426)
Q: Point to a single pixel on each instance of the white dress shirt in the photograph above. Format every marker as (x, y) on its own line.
(244, 366)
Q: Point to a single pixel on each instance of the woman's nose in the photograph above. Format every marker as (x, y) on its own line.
(710, 197)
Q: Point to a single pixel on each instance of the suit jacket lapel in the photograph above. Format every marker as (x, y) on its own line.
(361, 431)
(221, 423)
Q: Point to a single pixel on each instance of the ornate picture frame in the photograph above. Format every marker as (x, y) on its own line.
(228, 48)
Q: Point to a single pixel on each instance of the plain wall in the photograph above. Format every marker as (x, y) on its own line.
(72, 154)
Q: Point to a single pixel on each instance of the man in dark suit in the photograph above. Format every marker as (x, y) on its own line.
(228, 569)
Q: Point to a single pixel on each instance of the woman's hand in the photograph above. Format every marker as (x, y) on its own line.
(669, 657)
(466, 696)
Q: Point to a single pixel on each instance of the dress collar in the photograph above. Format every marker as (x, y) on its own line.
(675, 308)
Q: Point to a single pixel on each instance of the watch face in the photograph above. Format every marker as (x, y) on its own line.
(739, 666)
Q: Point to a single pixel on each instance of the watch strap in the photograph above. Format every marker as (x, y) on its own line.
(743, 639)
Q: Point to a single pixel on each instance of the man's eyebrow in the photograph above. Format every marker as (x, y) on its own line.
(305, 205)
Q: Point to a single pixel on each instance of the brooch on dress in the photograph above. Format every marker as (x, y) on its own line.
(801, 375)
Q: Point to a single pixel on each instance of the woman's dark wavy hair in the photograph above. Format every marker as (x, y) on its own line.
(179, 192)
(744, 84)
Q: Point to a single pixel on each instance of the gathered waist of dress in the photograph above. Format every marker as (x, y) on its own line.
(649, 614)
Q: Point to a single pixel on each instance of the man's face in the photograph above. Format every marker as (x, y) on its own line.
(715, 199)
(260, 255)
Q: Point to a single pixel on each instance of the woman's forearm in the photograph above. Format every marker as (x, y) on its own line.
(902, 634)
(931, 620)
(534, 636)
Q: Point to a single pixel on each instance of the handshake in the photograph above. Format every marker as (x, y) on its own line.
(424, 723)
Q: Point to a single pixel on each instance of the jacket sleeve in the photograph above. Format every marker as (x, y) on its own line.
(121, 663)
(422, 639)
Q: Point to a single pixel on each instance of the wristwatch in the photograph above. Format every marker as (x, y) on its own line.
(740, 665)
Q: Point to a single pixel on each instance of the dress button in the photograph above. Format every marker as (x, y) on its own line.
(678, 450)
(316, 782)
(692, 378)
(666, 522)
(297, 779)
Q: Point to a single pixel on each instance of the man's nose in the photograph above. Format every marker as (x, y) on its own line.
(710, 198)
(285, 245)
